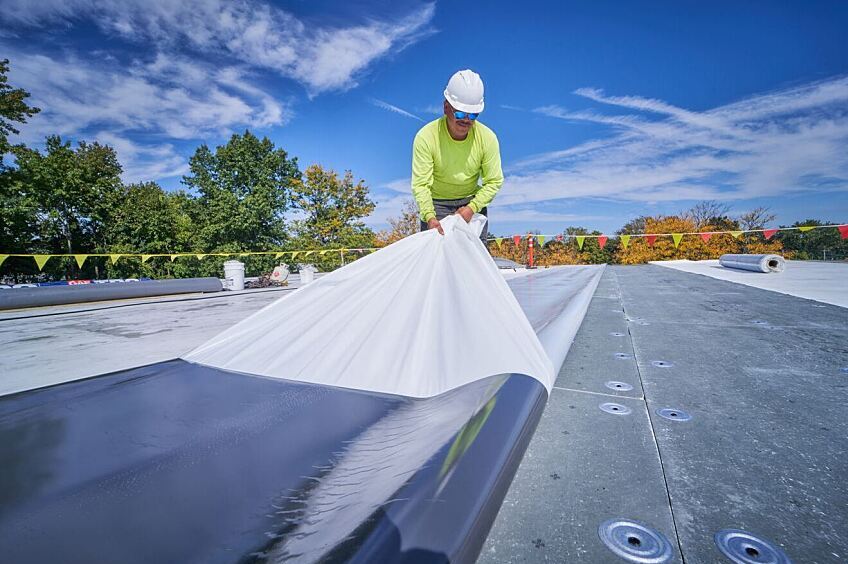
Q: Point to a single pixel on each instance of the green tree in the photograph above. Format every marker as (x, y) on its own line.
(817, 244)
(69, 195)
(243, 191)
(152, 221)
(332, 209)
(13, 109)
(17, 210)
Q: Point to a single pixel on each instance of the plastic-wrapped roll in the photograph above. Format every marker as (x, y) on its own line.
(754, 263)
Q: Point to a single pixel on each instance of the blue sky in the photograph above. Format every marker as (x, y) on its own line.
(605, 110)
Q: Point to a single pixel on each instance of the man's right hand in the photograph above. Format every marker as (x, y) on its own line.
(433, 223)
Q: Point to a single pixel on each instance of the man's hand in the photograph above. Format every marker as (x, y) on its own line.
(466, 213)
(433, 223)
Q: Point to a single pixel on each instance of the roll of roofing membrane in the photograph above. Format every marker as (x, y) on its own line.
(57, 295)
(418, 318)
(754, 263)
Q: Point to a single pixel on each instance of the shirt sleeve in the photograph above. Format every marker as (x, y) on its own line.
(492, 176)
(422, 178)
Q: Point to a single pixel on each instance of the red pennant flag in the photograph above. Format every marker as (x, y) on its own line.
(559, 237)
(602, 241)
(769, 233)
(516, 239)
(843, 230)
(706, 237)
(651, 239)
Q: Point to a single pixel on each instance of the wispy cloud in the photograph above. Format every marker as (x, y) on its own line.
(143, 163)
(395, 109)
(433, 109)
(253, 32)
(783, 142)
(168, 98)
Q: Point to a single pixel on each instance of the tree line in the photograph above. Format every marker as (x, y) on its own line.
(245, 195)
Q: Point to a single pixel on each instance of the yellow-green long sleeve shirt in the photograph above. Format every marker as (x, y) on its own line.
(446, 169)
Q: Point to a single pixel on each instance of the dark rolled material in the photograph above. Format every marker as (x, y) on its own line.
(177, 462)
(16, 298)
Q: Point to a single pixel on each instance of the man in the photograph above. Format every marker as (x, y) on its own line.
(450, 155)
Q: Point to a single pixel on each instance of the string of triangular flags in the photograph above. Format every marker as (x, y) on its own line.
(651, 238)
(41, 259)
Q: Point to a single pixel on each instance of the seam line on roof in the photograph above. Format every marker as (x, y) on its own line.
(651, 427)
(597, 393)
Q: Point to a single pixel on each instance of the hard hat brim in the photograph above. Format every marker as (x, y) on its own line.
(459, 106)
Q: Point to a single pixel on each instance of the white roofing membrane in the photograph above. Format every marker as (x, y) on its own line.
(825, 282)
(418, 318)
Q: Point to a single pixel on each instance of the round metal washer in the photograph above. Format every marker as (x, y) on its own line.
(674, 414)
(662, 363)
(615, 408)
(616, 334)
(619, 386)
(622, 355)
(759, 322)
(635, 542)
(744, 548)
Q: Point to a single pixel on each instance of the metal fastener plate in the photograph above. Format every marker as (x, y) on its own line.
(744, 548)
(674, 414)
(619, 386)
(615, 408)
(635, 542)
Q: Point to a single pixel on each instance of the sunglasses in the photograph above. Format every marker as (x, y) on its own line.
(464, 115)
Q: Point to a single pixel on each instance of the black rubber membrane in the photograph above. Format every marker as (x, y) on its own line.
(176, 462)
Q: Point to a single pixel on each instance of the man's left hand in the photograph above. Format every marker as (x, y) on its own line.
(466, 213)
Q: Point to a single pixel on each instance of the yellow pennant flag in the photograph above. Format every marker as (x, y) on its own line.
(580, 241)
(145, 258)
(677, 238)
(114, 258)
(498, 241)
(294, 255)
(200, 256)
(278, 255)
(736, 234)
(322, 253)
(541, 239)
(41, 260)
(3, 259)
(80, 259)
(805, 228)
(308, 253)
(625, 240)
(174, 257)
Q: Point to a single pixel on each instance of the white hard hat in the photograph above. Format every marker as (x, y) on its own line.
(465, 91)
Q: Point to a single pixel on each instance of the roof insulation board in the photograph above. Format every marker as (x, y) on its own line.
(764, 377)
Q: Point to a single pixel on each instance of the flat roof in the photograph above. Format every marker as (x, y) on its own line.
(764, 378)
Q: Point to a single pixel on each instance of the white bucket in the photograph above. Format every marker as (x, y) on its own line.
(234, 275)
(307, 273)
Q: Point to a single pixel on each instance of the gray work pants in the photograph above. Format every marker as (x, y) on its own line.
(445, 208)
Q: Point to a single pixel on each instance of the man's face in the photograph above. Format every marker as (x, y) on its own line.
(460, 126)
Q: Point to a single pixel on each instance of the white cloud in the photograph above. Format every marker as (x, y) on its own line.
(143, 163)
(172, 97)
(253, 32)
(783, 142)
(389, 107)
(169, 98)
(389, 205)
